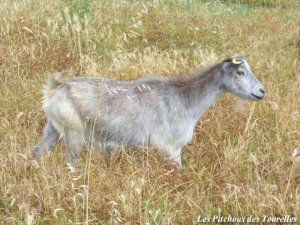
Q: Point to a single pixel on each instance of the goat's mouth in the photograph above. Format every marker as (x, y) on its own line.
(257, 97)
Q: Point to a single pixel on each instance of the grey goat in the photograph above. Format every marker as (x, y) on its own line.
(148, 112)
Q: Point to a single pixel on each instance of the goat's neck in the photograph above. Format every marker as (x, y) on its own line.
(200, 91)
(204, 99)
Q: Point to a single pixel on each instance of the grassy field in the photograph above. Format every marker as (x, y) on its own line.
(242, 162)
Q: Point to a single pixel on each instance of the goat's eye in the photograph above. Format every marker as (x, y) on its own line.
(240, 73)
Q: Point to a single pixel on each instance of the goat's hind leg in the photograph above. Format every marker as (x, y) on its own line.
(73, 141)
(50, 139)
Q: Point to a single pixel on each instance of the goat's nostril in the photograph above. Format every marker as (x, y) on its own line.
(262, 90)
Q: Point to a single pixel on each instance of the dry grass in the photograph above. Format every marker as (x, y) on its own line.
(239, 163)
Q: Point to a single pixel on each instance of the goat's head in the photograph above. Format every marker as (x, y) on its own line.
(240, 81)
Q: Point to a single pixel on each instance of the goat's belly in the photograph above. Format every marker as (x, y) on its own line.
(112, 136)
(113, 144)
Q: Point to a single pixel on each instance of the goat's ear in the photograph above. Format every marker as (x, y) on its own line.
(232, 63)
(236, 61)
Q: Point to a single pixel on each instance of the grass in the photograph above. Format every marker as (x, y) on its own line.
(239, 162)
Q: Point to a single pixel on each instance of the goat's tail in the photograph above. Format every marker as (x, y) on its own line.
(55, 81)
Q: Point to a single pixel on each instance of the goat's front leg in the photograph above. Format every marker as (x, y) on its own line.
(173, 156)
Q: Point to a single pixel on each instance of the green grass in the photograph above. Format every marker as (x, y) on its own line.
(239, 162)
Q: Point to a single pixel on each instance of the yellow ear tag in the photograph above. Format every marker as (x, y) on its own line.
(234, 61)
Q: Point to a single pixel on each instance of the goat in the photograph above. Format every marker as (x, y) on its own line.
(148, 112)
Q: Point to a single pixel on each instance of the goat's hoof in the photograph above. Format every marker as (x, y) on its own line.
(71, 167)
(36, 152)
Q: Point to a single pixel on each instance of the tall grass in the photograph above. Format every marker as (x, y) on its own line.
(240, 162)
